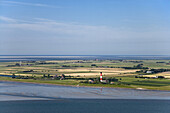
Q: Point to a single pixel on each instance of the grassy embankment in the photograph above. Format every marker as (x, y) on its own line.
(125, 82)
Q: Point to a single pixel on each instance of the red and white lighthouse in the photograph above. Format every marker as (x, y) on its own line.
(101, 77)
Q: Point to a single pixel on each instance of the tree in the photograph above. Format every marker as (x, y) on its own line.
(44, 76)
(48, 76)
(93, 65)
(13, 76)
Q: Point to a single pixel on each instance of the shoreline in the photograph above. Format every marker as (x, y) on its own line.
(84, 86)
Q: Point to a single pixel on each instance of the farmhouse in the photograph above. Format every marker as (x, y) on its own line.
(149, 72)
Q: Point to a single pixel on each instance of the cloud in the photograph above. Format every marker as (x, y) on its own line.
(27, 4)
(84, 31)
(6, 19)
(71, 37)
(51, 26)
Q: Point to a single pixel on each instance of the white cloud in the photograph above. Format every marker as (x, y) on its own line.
(84, 31)
(79, 37)
(27, 4)
(6, 19)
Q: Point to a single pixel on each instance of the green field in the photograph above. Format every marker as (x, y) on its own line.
(121, 73)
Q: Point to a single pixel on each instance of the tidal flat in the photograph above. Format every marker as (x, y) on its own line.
(28, 91)
(18, 97)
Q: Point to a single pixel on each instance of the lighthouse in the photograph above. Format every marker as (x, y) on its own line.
(101, 77)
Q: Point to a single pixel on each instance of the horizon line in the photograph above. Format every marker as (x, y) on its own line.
(84, 55)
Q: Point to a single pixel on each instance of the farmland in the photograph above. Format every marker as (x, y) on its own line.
(138, 74)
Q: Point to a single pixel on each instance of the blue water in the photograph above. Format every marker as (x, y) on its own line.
(86, 106)
(6, 75)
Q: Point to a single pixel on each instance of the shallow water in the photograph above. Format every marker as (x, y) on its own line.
(29, 91)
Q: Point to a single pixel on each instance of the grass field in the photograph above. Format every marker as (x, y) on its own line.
(91, 69)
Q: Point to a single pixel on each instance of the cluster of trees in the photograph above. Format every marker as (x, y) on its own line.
(139, 66)
(153, 71)
(23, 77)
(126, 61)
(17, 64)
(136, 61)
(160, 62)
(29, 61)
(28, 71)
(97, 80)
(101, 66)
(93, 65)
(159, 70)
(43, 62)
(149, 77)
(48, 76)
(56, 77)
(71, 66)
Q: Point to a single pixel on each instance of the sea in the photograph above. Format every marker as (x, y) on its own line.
(86, 106)
(14, 58)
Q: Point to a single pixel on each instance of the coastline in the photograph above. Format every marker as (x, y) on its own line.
(11, 90)
(83, 86)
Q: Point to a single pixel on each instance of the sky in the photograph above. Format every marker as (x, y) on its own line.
(84, 27)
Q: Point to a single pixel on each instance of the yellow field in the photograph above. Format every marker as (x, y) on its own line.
(165, 74)
(71, 72)
(86, 69)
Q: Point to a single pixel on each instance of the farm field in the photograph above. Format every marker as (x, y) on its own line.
(138, 74)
